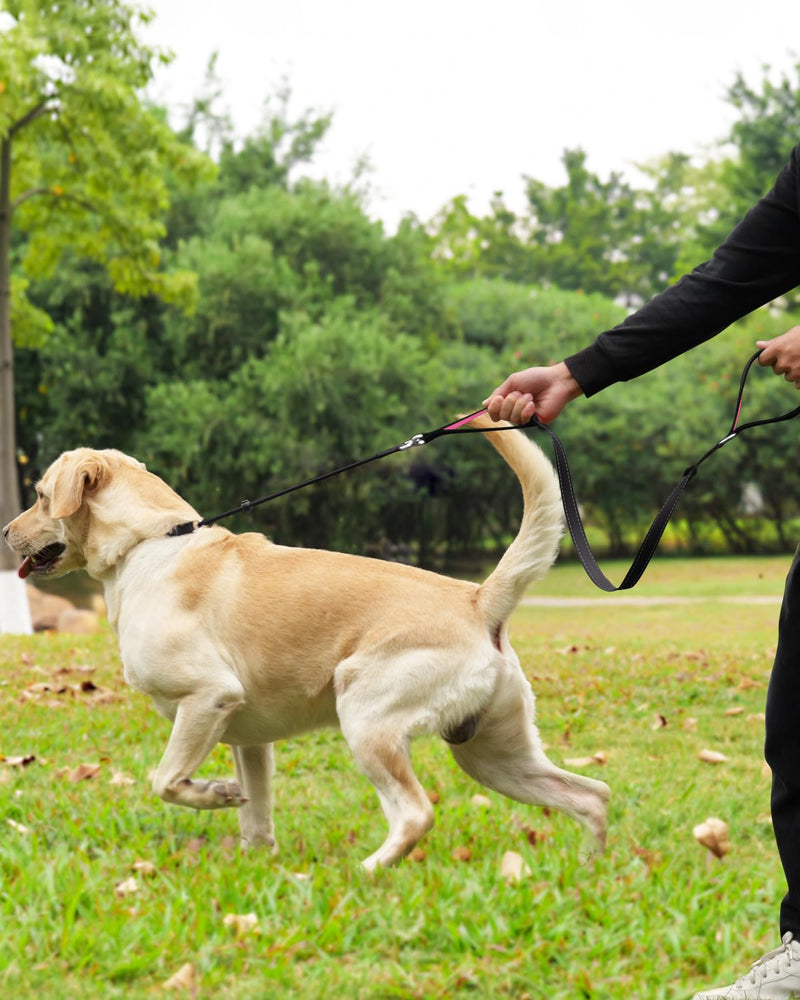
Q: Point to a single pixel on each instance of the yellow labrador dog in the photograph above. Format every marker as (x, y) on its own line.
(241, 641)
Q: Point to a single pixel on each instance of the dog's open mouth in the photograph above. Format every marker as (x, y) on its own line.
(42, 561)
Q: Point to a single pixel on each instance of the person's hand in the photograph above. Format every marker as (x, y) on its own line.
(543, 391)
(782, 354)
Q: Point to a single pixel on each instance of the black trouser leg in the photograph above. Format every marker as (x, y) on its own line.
(783, 746)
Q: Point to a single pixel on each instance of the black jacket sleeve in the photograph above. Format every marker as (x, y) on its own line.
(759, 261)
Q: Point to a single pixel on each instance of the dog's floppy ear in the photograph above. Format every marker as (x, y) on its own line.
(78, 475)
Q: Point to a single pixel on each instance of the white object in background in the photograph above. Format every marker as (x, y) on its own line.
(15, 612)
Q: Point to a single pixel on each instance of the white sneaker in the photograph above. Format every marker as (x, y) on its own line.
(776, 976)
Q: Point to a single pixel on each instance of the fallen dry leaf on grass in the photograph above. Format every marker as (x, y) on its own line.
(28, 758)
(462, 854)
(45, 687)
(601, 757)
(242, 923)
(184, 979)
(118, 778)
(86, 690)
(712, 757)
(144, 868)
(748, 682)
(713, 834)
(127, 888)
(735, 710)
(17, 826)
(513, 867)
(81, 773)
(481, 800)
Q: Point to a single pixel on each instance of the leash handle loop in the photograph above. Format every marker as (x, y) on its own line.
(736, 428)
(653, 537)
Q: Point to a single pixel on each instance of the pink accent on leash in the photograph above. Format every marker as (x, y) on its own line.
(464, 420)
(738, 414)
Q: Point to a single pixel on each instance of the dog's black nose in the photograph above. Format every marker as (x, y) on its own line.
(5, 530)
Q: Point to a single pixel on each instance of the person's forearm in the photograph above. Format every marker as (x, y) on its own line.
(759, 261)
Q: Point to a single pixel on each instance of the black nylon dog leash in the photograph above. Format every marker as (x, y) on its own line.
(661, 520)
(571, 510)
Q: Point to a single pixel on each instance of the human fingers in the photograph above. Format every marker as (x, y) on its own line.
(770, 350)
(782, 354)
(516, 407)
(511, 384)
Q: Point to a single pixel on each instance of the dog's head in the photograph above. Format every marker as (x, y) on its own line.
(91, 507)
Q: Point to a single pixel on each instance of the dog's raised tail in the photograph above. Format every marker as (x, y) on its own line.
(534, 550)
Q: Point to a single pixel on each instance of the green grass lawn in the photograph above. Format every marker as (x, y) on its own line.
(656, 916)
(672, 576)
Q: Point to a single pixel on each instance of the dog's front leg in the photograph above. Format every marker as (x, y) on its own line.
(254, 769)
(200, 722)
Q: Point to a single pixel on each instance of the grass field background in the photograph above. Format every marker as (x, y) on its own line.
(107, 892)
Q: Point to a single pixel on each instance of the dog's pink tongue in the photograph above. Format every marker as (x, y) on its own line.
(26, 568)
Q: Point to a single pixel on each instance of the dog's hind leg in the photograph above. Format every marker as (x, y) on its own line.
(505, 754)
(381, 749)
(406, 807)
(200, 722)
(254, 769)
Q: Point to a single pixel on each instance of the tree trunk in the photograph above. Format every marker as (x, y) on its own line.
(9, 484)
(14, 610)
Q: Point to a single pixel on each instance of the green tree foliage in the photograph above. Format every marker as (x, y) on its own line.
(602, 235)
(764, 134)
(710, 198)
(316, 339)
(87, 156)
(468, 246)
(527, 319)
(589, 235)
(82, 163)
(118, 343)
(321, 393)
(271, 249)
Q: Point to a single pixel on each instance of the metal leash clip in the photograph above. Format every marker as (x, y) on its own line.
(413, 442)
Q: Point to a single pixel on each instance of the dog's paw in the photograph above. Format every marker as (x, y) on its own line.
(590, 848)
(256, 842)
(227, 794)
(204, 794)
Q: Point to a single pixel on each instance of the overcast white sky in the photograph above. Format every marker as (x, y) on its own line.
(449, 98)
